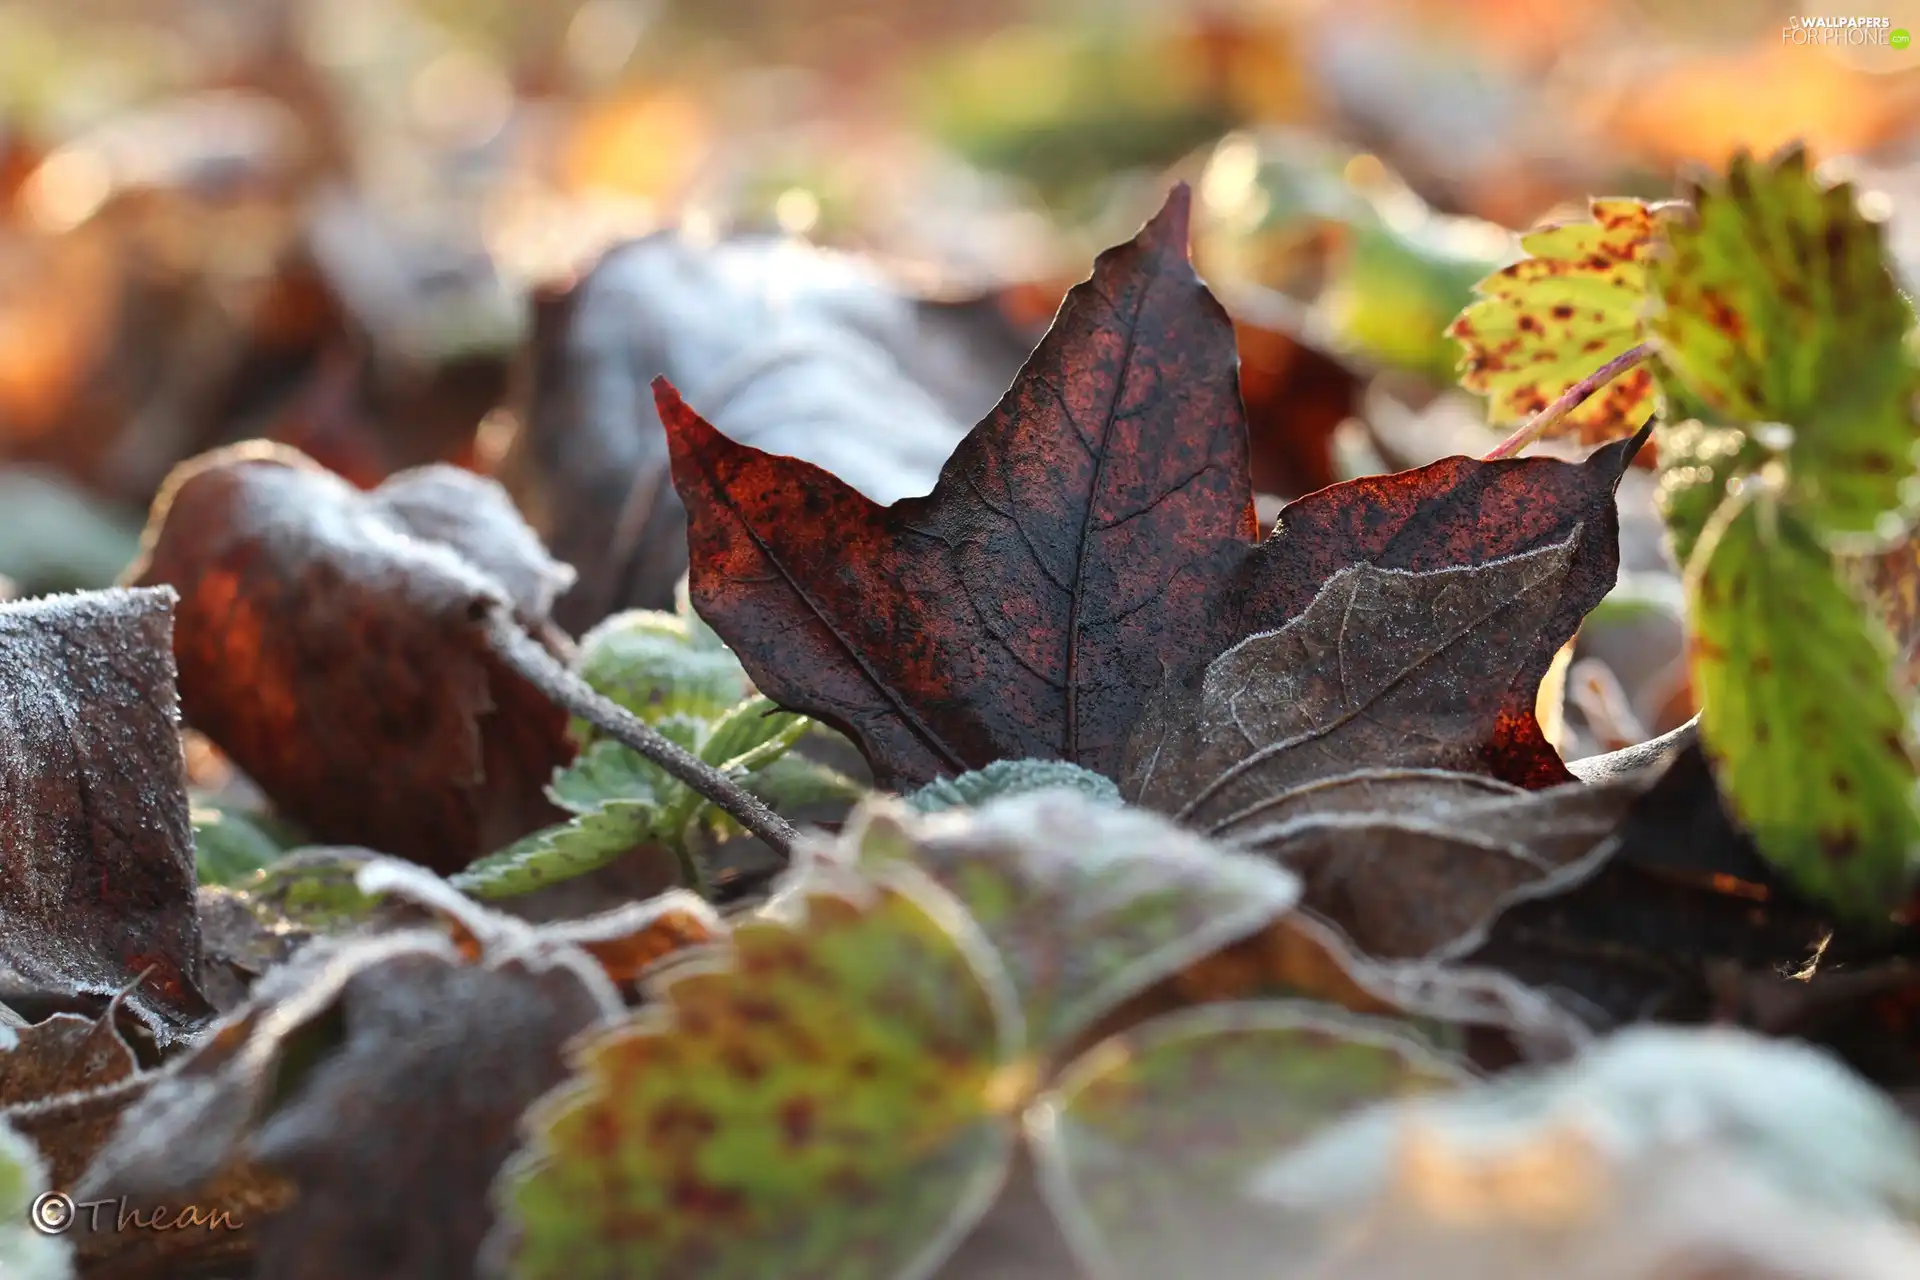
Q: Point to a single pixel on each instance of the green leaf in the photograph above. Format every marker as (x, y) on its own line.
(604, 771)
(26, 1253)
(791, 782)
(1779, 305)
(751, 734)
(1798, 709)
(1402, 278)
(227, 848)
(648, 663)
(1575, 302)
(607, 770)
(1148, 1144)
(821, 1100)
(1086, 903)
(314, 888)
(795, 782)
(1699, 465)
(54, 536)
(1008, 778)
(1635, 595)
(591, 840)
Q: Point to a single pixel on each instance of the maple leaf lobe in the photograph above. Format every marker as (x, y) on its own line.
(1072, 549)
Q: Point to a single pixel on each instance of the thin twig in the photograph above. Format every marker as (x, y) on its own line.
(545, 673)
(1572, 398)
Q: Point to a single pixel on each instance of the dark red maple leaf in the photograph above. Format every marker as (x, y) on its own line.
(1089, 539)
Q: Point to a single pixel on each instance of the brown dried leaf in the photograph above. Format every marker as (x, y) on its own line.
(240, 939)
(64, 1054)
(96, 852)
(1093, 535)
(327, 644)
(384, 1079)
(1385, 669)
(65, 1086)
(630, 941)
(1484, 1012)
(1351, 738)
(1409, 863)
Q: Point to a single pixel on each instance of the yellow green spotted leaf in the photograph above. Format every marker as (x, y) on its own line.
(825, 1097)
(1800, 713)
(1778, 305)
(1577, 300)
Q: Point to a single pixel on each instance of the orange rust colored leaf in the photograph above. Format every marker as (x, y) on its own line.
(326, 643)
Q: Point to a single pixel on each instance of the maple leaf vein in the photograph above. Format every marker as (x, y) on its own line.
(893, 699)
(1072, 744)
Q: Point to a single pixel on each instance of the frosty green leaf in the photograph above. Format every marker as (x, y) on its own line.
(1149, 1145)
(649, 663)
(795, 782)
(1783, 1109)
(837, 1089)
(1086, 903)
(1008, 778)
(1779, 305)
(591, 840)
(818, 1104)
(227, 848)
(314, 888)
(605, 771)
(621, 801)
(751, 734)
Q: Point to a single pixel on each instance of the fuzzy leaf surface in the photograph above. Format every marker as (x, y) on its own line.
(815, 1101)
(1386, 668)
(1009, 777)
(96, 846)
(1085, 903)
(1151, 1141)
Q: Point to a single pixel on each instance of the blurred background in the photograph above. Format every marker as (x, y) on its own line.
(374, 230)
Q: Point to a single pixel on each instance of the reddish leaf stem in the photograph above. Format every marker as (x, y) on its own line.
(1572, 398)
(566, 689)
